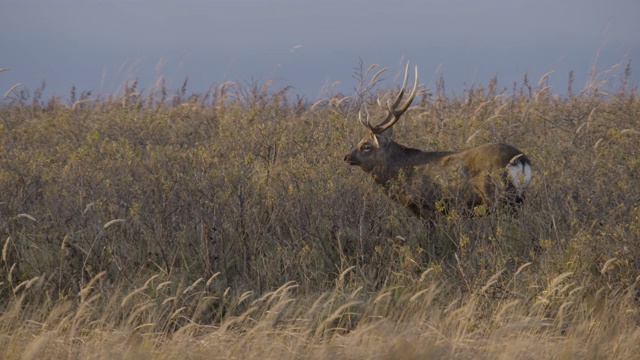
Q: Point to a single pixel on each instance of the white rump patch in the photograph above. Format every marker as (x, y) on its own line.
(519, 173)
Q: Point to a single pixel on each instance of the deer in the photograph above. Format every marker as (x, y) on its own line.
(431, 182)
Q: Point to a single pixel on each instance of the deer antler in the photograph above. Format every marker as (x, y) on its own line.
(394, 112)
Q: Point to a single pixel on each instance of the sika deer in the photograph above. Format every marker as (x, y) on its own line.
(429, 181)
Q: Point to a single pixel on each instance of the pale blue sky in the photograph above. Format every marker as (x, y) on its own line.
(98, 44)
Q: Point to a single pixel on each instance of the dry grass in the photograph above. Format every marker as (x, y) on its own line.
(225, 225)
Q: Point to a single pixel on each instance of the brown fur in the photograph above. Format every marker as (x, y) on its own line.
(420, 179)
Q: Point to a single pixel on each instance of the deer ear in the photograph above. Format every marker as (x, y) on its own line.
(388, 133)
(375, 140)
(380, 140)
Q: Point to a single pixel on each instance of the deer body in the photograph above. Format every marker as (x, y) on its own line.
(427, 181)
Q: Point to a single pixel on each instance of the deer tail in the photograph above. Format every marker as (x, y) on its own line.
(520, 171)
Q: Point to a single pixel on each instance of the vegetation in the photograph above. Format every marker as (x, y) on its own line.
(226, 225)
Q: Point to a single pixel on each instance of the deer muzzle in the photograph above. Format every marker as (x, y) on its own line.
(351, 160)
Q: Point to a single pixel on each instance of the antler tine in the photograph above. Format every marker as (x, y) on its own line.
(406, 105)
(365, 122)
(393, 112)
(396, 102)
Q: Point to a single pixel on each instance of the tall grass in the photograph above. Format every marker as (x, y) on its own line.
(225, 225)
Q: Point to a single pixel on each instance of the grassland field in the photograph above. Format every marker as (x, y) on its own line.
(160, 225)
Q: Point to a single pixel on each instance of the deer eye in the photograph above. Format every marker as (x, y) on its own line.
(366, 147)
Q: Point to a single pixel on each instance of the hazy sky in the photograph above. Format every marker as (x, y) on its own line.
(98, 44)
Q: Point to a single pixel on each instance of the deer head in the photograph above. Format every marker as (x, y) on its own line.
(373, 150)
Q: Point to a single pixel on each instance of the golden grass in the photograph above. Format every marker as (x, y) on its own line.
(401, 322)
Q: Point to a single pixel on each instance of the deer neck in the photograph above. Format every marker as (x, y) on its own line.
(403, 160)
